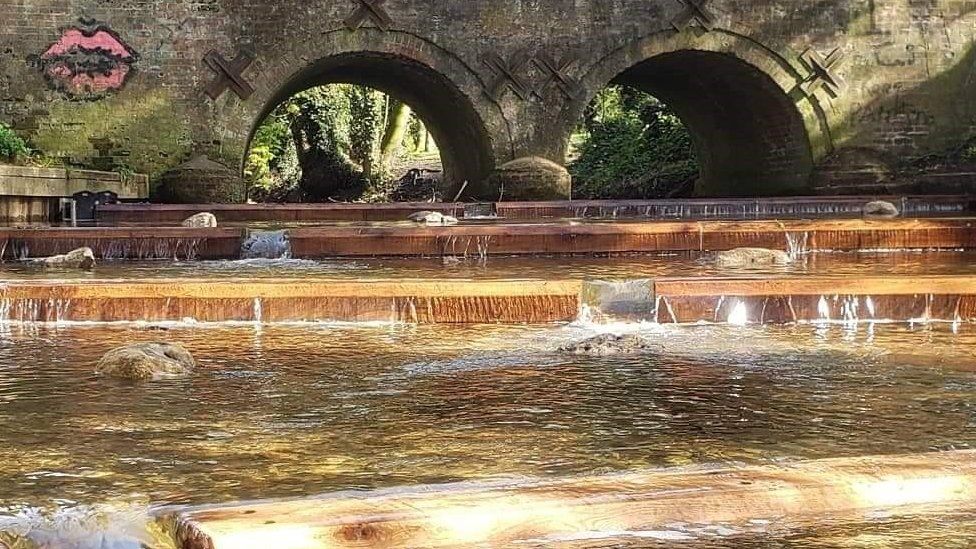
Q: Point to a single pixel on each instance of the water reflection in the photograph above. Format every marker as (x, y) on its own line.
(289, 411)
(591, 267)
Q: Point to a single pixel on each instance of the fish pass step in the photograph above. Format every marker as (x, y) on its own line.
(815, 299)
(809, 207)
(511, 239)
(691, 209)
(633, 237)
(280, 213)
(165, 243)
(269, 300)
(756, 300)
(533, 512)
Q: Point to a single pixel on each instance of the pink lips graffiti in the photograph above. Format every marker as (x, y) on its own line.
(88, 62)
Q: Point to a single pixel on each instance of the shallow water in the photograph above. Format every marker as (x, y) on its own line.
(586, 267)
(291, 411)
(939, 528)
(288, 411)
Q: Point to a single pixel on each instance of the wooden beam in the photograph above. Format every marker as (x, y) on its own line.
(294, 300)
(631, 237)
(503, 513)
(815, 285)
(763, 300)
(532, 239)
(690, 209)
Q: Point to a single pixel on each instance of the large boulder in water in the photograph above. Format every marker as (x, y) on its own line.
(203, 220)
(881, 209)
(752, 257)
(82, 258)
(610, 345)
(532, 178)
(146, 361)
(201, 181)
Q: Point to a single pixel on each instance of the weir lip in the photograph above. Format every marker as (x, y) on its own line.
(503, 239)
(123, 242)
(689, 209)
(507, 239)
(501, 513)
(628, 237)
(761, 300)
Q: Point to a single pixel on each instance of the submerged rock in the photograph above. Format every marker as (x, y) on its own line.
(433, 218)
(82, 258)
(146, 361)
(881, 209)
(752, 257)
(610, 345)
(204, 220)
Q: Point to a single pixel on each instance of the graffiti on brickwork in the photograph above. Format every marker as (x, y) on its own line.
(890, 54)
(895, 112)
(88, 61)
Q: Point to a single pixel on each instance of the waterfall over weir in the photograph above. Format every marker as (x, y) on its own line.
(121, 248)
(266, 245)
(618, 301)
(747, 300)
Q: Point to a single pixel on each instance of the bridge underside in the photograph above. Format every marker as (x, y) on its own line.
(464, 143)
(749, 136)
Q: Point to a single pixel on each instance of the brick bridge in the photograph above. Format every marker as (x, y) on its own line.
(779, 95)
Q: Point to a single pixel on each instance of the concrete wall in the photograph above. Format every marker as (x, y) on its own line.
(33, 194)
(847, 89)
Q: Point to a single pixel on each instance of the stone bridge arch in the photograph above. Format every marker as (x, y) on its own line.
(755, 132)
(471, 131)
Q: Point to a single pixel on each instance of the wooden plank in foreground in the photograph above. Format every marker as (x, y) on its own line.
(462, 515)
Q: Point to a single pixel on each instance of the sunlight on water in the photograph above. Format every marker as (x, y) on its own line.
(739, 315)
(471, 263)
(290, 411)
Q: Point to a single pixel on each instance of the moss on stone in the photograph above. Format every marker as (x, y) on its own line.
(144, 127)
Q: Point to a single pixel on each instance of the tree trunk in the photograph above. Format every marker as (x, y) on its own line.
(423, 141)
(396, 130)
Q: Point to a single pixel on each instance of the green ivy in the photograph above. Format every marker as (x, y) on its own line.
(321, 144)
(630, 145)
(12, 146)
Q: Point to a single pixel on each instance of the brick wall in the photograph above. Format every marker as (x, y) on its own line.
(908, 69)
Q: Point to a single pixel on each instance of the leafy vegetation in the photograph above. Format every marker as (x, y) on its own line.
(631, 145)
(335, 142)
(12, 146)
(346, 142)
(962, 154)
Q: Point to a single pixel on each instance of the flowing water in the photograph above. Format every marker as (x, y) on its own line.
(278, 411)
(614, 267)
(266, 245)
